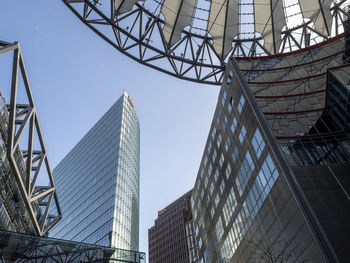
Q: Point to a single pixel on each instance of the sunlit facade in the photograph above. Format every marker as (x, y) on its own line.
(98, 182)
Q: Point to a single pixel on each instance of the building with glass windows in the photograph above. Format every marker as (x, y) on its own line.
(98, 182)
(273, 183)
(192, 245)
(171, 239)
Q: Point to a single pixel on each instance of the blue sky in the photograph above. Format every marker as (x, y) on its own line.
(75, 77)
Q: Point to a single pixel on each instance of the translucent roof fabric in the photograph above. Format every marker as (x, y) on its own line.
(194, 39)
(123, 6)
(233, 20)
(291, 88)
(229, 20)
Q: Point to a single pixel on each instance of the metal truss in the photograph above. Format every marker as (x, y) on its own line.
(17, 248)
(138, 34)
(28, 162)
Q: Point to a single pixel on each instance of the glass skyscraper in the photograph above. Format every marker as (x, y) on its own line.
(98, 182)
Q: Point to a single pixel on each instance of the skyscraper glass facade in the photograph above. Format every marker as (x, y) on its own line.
(98, 182)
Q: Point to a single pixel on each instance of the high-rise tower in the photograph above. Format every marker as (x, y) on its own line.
(98, 182)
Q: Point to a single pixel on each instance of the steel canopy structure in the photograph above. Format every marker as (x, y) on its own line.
(28, 160)
(193, 39)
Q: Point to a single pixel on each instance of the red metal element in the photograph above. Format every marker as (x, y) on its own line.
(293, 112)
(293, 52)
(298, 65)
(312, 136)
(287, 80)
(291, 95)
(131, 101)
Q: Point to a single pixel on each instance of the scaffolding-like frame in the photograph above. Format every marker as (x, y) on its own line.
(193, 57)
(23, 117)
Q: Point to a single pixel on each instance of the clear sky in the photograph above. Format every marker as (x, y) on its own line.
(75, 77)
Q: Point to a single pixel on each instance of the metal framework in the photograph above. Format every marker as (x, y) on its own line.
(19, 248)
(28, 162)
(185, 45)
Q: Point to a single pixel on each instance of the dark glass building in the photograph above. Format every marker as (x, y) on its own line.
(273, 183)
(171, 239)
(98, 182)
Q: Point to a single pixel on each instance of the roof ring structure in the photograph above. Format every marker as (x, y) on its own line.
(193, 39)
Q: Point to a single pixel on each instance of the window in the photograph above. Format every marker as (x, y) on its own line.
(244, 173)
(214, 155)
(229, 207)
(234, 153)
(216, 175)
(209, 147)
(224, 123)
(219, 229)
(209, 170)
(261, 186)
(217, 199)
(218, 116)
(201, 173)
(229, 78)
(228, 171)
(219, 140)
(212, 213)
(213, 133)
(227, 144)
(222, 186)
(205, 161)
(241, 104)
(233, 125)
(258, 143)
(223, 99)
(230, 105)
(211, 188)
(242, 134)
(221, 161)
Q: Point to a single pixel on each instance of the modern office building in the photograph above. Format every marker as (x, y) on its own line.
(171, 238)
(24, 202)
(98, 182)
(274, 182)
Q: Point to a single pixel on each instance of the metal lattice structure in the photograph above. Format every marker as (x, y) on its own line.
(29, 160)
(15, 247)
(193, 39)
